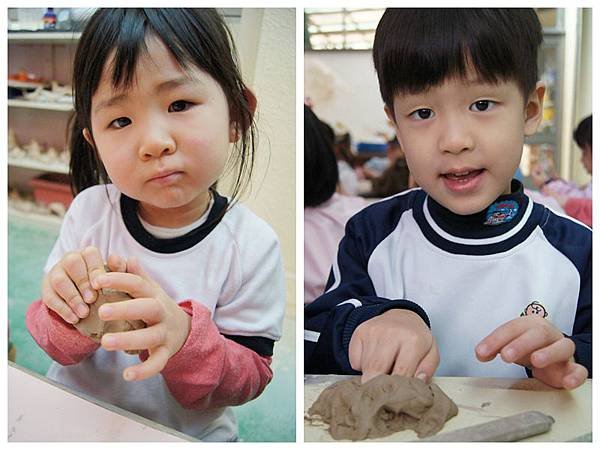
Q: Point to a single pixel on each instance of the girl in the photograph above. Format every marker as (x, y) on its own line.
(159, 100)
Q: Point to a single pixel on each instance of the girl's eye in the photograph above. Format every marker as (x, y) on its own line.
(482, 105)
(179, 106)
(422, 114)
(121, 122)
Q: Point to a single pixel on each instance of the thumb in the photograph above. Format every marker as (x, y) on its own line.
(134, 267)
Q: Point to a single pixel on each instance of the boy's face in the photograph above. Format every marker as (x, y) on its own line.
(463, 138)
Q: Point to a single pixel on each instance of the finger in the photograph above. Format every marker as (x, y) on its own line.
(376, 359)
(489, 346)
(355, 350)
(133, 284)
(64, 287)
(428, 364)
(117, 263)
(94, 263)
(528, 342)
(142, 339)
(575, 377)
(57, 304)
(561, 350)
(407, 359)
(147, 309)
(154, 364)
(134, 266)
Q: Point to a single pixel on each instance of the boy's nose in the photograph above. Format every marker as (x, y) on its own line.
(156, 143)
(455, 136)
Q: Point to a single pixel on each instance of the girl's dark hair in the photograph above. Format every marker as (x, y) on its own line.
(583, 132)
(320, 165)
(195, 37)
(415, 49)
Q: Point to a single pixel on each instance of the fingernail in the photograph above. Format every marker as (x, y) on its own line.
(570, 382)
(73, 319)
(88, 295)
(482, 349)
(109, 341)
(422, 376)
(105, 311)
(129, 375)
(541, 358)
(82, 310)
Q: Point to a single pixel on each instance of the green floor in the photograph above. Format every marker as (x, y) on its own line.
(269, 418)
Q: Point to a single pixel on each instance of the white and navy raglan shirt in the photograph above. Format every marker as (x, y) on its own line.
(226, 273)
(463, 275)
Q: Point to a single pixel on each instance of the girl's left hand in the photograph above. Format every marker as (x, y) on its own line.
(168, 325)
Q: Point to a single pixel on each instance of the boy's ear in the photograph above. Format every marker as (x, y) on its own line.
(534, 109)
(88, 137)
(234, 131)
(389, 112)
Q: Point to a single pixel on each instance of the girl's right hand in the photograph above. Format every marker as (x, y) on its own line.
(67, 288)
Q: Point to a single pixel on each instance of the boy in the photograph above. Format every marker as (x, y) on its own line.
(446, 277)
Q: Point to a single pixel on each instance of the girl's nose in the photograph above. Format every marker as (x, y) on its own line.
(156, 143)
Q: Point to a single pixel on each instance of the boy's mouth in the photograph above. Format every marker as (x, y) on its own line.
(462, 175)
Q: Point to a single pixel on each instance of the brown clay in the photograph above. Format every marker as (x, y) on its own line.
(382, 406)
(93, 327)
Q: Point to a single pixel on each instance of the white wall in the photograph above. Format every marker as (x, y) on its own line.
(266, 44)
(343, 87)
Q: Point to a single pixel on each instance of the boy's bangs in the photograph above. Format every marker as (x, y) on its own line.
(420, 48)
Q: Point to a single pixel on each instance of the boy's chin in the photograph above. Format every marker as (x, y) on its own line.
(465, 208)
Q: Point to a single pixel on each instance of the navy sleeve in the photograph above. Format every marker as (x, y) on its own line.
(574, 240)
(348, 301)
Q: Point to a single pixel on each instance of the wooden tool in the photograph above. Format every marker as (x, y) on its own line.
(507, 429)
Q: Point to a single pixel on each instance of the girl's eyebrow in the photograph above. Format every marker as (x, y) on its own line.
(160, 87)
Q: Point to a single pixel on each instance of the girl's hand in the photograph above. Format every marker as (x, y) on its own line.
(168, 325)
(535, 342)
(67, 288)
(396, 342)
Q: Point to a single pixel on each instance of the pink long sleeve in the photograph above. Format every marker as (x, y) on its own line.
(580, 209)
(211, 371)
(59, 339)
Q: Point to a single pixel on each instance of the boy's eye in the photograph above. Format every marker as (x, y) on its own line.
(422, 114)
(121, 122)
(179, 105)
(482, 105)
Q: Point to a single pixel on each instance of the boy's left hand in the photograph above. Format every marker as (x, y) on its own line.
(536, 343)
(168, 325)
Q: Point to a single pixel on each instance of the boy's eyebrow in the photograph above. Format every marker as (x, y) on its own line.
(163, 86)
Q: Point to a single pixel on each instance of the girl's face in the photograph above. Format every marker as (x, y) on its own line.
(165, 140)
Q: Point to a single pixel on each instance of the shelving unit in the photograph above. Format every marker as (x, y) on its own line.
(48, 55)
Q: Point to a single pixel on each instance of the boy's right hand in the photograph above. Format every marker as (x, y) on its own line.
(67, 288)
(397, 342)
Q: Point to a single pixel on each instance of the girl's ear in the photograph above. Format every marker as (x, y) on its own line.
(88, 137)
(234, 131)
(534, 109)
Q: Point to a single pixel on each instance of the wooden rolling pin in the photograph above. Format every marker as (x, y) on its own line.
(508, 429)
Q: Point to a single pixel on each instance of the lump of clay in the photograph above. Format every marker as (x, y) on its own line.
(93, 327)
(382, 406)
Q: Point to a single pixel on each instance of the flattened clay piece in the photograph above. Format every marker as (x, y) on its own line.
(382, 406)
(93, 327)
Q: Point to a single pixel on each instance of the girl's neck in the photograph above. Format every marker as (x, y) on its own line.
(175, 217)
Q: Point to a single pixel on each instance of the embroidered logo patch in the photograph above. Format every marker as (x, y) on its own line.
(501, 212)
(535, 309)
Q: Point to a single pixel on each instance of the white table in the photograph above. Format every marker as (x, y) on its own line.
(41, 410)
(482, 400)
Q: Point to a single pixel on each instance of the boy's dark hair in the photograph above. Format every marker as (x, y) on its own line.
(195, 37)
(583, 133)
(320, 165)
(417, 48)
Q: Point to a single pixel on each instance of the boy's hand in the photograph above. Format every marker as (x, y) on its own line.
(67, 288)
(396, 342)
(168, 325)
(535, 343)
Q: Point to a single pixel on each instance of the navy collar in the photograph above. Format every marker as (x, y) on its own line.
(129, 208)
(468, 234)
